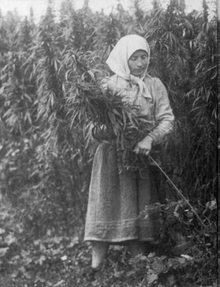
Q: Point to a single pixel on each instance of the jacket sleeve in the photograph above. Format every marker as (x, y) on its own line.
(164, 118)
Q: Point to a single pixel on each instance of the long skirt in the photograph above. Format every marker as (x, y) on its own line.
(117, 200)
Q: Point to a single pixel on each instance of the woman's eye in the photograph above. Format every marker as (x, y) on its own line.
(135, 58)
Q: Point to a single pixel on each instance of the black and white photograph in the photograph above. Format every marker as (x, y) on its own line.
(109, 143)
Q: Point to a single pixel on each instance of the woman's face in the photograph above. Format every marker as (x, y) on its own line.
(138, 63)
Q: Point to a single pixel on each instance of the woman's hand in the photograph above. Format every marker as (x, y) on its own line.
(144, 146)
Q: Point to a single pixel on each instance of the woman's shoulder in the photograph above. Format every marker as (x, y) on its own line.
(113, 82)
(156, 87)
(108, 79)
(153, 80)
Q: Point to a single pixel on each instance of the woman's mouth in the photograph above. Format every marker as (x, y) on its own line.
(140, 70)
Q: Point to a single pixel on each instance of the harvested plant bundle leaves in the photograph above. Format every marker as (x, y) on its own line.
(113, 121)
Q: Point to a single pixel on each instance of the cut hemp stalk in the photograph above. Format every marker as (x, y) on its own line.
(178, 191)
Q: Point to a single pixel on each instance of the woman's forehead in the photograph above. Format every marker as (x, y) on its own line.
(139, 53)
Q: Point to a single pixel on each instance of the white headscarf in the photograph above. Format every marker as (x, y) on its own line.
(118, 61)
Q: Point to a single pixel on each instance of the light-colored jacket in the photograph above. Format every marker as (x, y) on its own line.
(156, 107)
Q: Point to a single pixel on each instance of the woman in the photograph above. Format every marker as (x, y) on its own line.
(116, 199)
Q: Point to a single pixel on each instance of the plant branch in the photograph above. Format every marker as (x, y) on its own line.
(178, 191)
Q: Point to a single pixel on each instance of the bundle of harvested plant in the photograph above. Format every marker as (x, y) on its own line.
(113, 121)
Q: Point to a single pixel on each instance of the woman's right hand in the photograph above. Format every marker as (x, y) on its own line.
(144, 146)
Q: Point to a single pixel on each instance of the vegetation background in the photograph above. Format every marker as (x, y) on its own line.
(46, 147)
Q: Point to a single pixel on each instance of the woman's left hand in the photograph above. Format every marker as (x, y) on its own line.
(144, 146)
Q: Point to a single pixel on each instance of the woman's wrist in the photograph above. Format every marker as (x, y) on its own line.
(149, 138)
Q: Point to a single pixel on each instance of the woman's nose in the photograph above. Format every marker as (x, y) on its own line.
(139, 63)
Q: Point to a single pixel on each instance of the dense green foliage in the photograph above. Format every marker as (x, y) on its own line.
(46, 143)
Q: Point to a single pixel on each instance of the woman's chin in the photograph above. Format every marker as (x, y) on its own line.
(137, 75)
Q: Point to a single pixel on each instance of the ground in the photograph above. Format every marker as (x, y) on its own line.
(64, 262)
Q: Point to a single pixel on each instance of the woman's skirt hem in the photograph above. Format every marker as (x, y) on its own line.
(148, 239)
